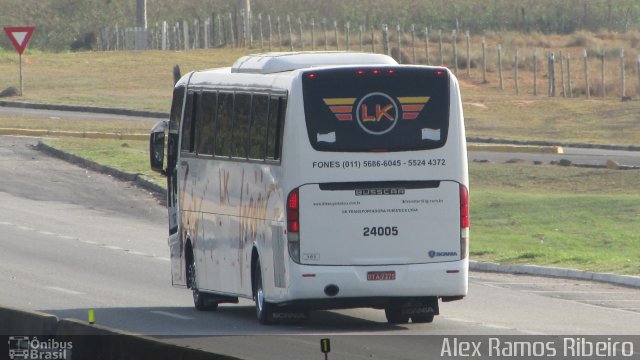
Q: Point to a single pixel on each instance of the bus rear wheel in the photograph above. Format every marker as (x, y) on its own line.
(422, 318)
(264, 310)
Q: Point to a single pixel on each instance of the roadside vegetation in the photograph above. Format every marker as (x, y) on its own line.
(521, 213)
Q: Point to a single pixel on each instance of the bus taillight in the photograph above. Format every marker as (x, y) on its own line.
(464, 222)
(464, 207)
(293, 211)
(293, 224)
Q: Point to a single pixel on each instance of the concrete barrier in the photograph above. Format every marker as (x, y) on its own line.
(85, 341)
(95, 341)
(23, 322)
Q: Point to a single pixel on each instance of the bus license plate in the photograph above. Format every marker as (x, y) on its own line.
(381, 275)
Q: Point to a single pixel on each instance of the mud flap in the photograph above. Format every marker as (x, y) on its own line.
(286, 315)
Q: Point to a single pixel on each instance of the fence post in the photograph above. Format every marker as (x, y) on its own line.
(569, 75)
(165, 34)
(516, 72)
(586, 75)
(270, 32)
(564, 91)
(232, 31)
(440, 40)
(468, 54)
(249, 28)
(623, 87)
(221, 38)
(454, 41)
(313, 34)
(335, 30)
(242, 37)
(398, 30)
(484, 61)
(638, 72)
(185, 31)
(500, 66)
(373, 39)
(290, 33)
(604, 89)
(347, 30)
(301, 34)
(207, 31)
(324, 29)
(426, 44)
(413, 43)
(196, 34)
(535, 73)
(385, 39)
(279, 30)
(360, 35)
(552, 74)
(261, 31)
(176, 36)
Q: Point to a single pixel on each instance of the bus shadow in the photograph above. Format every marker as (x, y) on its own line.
(227, 320)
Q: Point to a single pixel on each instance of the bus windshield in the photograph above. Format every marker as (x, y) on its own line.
(376, 109)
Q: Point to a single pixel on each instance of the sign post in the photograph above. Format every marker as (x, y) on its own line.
(19, 37)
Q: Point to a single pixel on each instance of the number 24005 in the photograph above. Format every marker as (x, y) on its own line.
(380, 231)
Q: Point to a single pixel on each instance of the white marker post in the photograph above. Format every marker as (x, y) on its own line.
(20, 37)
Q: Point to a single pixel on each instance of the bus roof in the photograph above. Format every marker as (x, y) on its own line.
(288, 61)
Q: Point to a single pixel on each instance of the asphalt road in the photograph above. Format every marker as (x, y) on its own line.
(72, 240)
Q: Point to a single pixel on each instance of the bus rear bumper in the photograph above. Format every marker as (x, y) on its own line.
(338, 284)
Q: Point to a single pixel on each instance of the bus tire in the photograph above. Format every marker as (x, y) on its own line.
(264, 310)
(422, 318)
(395, 315)
(201, 301)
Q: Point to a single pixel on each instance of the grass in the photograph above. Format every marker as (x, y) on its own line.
(125, 155)
(132, 80)
(548, 215)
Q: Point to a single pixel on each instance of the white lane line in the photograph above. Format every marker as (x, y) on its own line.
(6, 223)
(139, 253)
(162, 258)
(63, 290)
(67, 237)
(113, 247)
(89, 242)
(171, 315)
(46, 233)
(578, 292)
(25, 228)
(609, 300)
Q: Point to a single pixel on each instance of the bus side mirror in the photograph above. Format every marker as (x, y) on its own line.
(156, 146)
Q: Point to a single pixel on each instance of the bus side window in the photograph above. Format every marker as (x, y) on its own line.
(242, 110)
(224, 124)
(205, 123)
(259, 123)
(277, 107)
(187, 124)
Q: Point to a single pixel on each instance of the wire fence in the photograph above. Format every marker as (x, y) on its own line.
(574, 72)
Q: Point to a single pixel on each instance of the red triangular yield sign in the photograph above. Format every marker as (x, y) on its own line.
(20, 36)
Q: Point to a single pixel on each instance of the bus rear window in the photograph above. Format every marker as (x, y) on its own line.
(376, 109)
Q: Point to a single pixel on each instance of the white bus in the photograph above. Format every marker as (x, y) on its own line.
(317, 180)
